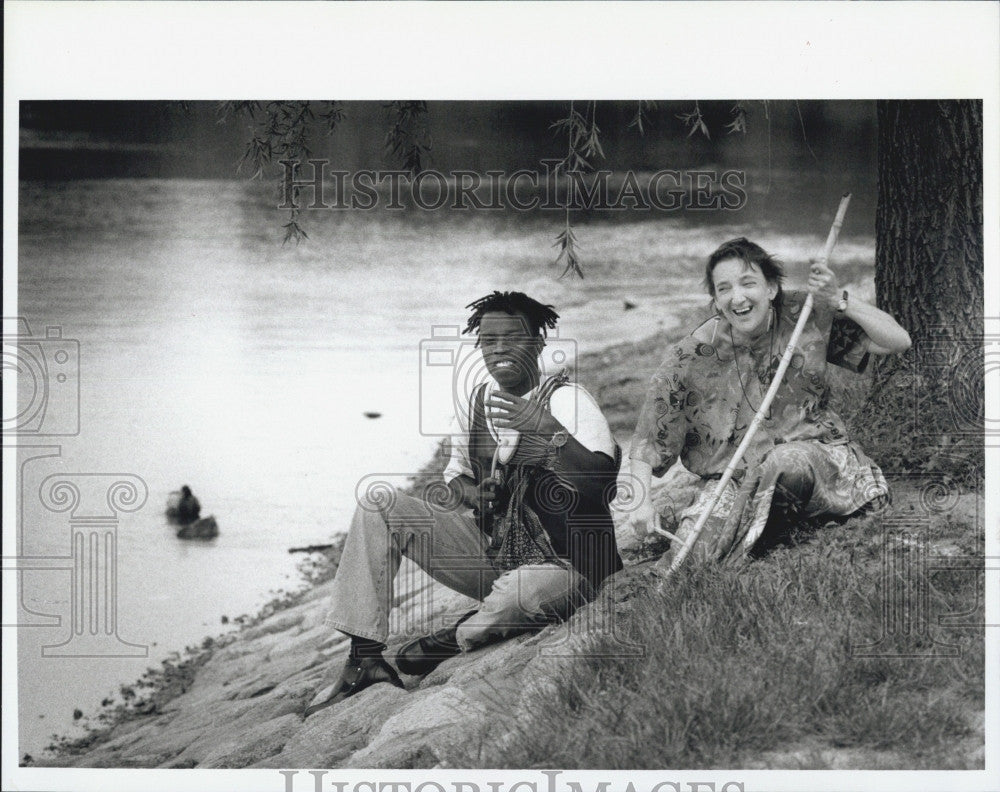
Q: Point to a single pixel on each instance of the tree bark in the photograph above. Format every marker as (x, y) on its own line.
(926, 407)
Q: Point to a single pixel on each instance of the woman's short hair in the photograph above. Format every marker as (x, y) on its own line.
(749, 253)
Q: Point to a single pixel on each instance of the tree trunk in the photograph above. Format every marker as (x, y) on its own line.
(925, 411)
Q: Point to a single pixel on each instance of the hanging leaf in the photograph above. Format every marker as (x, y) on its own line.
(408, 139)
(293, 229)
(639, 119)
(739, 122)
(566, 241)
(694, 122)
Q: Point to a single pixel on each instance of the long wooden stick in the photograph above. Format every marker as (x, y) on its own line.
(758, 419)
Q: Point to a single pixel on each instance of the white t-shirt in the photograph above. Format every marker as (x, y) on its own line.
(571, 405)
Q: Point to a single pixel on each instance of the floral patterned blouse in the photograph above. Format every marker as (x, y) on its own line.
(704, 396)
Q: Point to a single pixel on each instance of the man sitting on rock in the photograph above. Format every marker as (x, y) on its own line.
(536, 463)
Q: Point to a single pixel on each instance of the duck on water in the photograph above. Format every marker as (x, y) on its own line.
(184, 510)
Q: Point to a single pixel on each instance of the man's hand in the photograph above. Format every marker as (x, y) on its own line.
(488, 494)
(508, 411)
(473, 496)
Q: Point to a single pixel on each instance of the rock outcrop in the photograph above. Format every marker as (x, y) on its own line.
(244, 706)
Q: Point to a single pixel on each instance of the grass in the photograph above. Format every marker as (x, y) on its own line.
(741, 662)
(757, 666)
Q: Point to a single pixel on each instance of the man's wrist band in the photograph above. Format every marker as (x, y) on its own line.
(540, 449)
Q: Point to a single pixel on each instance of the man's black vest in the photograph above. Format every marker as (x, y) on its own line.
(581, 530)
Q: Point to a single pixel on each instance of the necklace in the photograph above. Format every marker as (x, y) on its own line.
(736, 362)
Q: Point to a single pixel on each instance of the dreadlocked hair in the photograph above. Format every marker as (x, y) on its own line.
(541, 317)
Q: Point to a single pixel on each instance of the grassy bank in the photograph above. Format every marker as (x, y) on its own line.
(767, 666)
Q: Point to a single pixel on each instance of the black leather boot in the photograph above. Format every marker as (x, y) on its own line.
(359, 673)
(423, 655)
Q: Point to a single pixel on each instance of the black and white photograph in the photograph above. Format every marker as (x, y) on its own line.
(458, 433)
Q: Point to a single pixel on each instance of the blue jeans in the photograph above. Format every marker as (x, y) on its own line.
(449, 546)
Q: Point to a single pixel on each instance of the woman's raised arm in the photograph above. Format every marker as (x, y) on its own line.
(886, 334)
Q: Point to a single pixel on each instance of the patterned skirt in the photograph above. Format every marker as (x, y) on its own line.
(844, 480)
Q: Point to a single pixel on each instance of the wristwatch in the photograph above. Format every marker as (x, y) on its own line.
(556, 442)
(842, 305)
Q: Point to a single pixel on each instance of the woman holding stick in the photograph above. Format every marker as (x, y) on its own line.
(700, 402)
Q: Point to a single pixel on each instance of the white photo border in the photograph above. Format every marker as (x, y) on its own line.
(493, 50)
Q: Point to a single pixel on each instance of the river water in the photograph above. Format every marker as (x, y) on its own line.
(212, 355)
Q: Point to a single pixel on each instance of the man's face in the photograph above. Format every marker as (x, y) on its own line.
(510, 350)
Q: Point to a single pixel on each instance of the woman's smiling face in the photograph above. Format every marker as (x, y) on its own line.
(743, 295)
